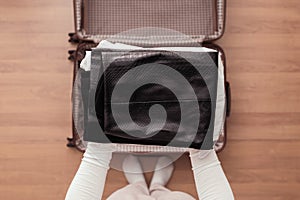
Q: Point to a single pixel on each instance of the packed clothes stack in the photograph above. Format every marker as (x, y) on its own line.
(112, 34)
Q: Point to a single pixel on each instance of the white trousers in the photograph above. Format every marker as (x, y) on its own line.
(89, 181)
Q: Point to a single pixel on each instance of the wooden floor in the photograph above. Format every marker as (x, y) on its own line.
(262, 158)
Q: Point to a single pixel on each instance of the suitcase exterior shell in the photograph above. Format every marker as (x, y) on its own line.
(76, 140)
(89, 28)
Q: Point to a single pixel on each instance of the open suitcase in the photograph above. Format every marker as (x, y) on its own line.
(96, 20)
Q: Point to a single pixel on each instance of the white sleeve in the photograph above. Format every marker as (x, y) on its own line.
(211, 182)
(90, 178)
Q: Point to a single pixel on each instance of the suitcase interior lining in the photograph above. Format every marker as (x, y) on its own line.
(198, 19)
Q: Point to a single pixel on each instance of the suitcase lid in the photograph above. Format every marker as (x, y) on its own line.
(201, 20)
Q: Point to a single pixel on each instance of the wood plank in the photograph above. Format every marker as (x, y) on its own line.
(262, 47)
(264, 126)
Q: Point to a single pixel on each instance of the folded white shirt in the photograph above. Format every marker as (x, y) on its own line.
(104, 44)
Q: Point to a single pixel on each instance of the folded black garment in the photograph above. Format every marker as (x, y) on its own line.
(152, 98)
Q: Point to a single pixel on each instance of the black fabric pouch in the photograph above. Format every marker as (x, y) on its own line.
(152, 98)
